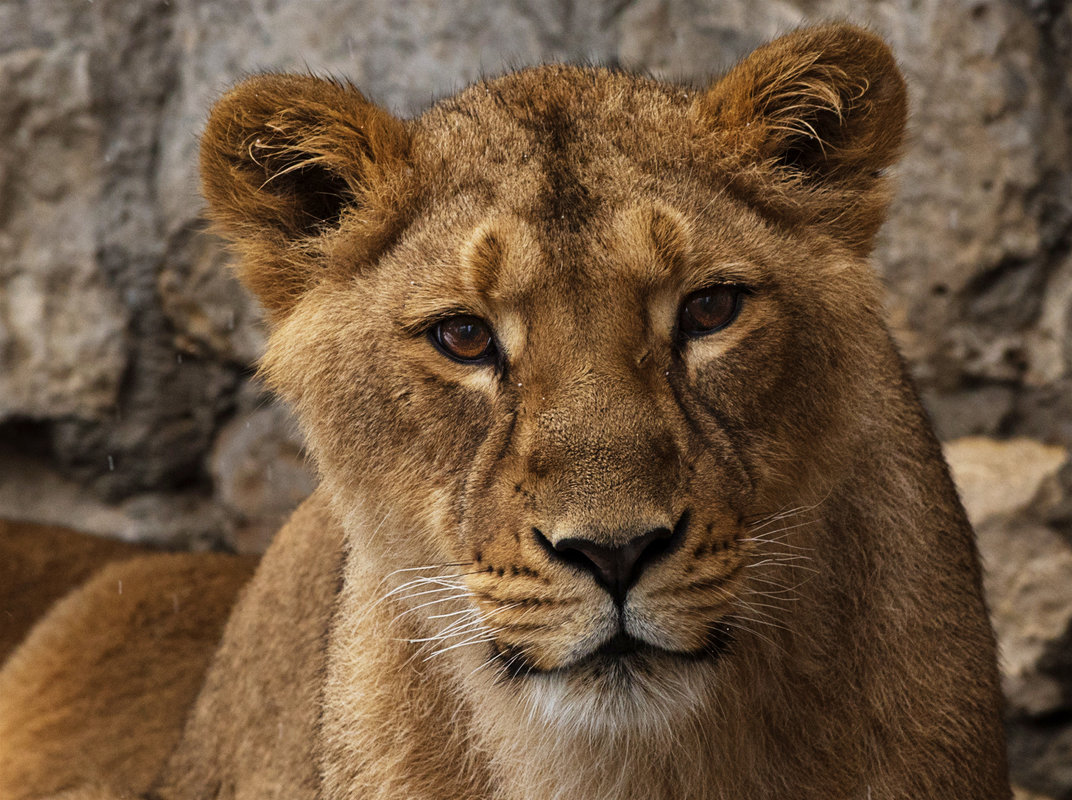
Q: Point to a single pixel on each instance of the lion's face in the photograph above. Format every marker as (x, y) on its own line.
(562, 379)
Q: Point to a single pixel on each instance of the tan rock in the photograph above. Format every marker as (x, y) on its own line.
(997, 478)
(1024, 794)
(1028, 566)
(1029, 587)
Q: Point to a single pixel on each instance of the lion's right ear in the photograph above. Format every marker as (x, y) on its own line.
(283, 159)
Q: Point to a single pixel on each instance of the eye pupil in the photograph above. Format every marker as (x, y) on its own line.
(464, 338)
(709, 309)
(465, 332)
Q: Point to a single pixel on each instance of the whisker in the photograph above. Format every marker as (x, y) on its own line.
(453, 613)
(409, 585)
(429, 566)
(754, 606)
(372, 536)
(441, 580)
(780, 541)
(433, 580)
(464, 630)
(438, 580)
(735, 623)
(787, 556)
(482, 638)
(472, 619)
(430, 603)
(437, 590)
(485, 664)
(781, 558)
(770, 535)
(782, 596)
(767, 622)
(781, 587)
(764, 520)
(477, 619)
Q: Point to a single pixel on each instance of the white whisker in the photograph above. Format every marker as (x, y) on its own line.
(481, 638)
(408, 611)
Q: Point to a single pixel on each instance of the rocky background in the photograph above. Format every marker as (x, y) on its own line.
(127, 406)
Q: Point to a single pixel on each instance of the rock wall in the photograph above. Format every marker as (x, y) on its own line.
(126, 400)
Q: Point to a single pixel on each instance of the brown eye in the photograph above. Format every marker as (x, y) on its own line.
(709, 309)
(464, 338)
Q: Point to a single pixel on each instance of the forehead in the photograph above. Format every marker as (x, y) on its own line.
(557, 106)
(582, 168)
(554, 144)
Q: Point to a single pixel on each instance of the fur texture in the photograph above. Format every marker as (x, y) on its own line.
(811, 623)
(41, 563)
(98, 691)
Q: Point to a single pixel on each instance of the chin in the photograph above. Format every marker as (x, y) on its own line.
(624, 687)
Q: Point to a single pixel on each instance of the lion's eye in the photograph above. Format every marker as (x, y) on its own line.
(464, 338)
(709, 309)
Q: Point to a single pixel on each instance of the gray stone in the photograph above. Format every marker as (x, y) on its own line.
(210, 314)
(1038, 756)
(975, 411)
(261, 474)
(62, 325)
(31, 491)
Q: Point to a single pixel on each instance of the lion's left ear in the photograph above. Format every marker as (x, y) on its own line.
(824, 107)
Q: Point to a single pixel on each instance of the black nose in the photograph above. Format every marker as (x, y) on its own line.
(616, 568)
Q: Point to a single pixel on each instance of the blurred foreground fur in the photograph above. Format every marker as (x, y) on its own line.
(41, 563)
(613, 551)
(100, 687)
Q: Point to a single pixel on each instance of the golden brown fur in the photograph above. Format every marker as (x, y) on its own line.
(41, 563)
(98, 691)
(811, 624)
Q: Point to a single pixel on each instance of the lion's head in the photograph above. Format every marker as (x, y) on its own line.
(575, 348)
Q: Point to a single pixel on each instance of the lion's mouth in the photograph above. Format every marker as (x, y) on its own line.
(621, 644)
(623, 652)
(622, 647)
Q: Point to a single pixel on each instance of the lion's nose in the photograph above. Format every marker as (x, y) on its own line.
(615, 568)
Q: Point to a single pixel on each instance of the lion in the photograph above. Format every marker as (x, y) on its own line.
(625, 491)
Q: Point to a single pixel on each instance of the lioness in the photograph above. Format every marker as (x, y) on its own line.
(625, 491)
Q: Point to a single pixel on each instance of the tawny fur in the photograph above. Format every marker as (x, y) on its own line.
(98, 691)
(818, 630)
(41, 563)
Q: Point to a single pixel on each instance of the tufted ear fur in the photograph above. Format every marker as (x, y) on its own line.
(284, 160)
(822, 109)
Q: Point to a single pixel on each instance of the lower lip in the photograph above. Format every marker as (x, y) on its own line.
(620, 648)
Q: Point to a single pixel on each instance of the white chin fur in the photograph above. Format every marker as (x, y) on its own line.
(643, 695)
